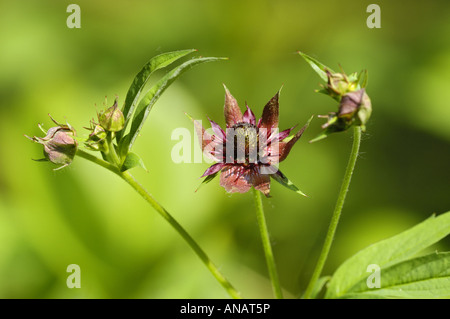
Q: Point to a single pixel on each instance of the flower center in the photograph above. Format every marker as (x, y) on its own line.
(245, 142)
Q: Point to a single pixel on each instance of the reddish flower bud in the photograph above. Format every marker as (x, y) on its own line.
(60, 146)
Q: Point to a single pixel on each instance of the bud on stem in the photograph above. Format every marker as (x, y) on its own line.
(112, 119)
(59, 143)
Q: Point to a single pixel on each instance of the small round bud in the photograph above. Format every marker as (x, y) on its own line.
(112, 119)
(60, 146)
(355, 106)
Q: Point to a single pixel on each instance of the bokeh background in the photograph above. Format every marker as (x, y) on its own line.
(86, 216)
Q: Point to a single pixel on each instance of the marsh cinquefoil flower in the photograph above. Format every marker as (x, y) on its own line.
(247, 152)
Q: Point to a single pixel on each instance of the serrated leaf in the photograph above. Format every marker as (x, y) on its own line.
(132, 160)
(156, 63)
(145, 105)
(283, 180)
(388, 252)
(317, 66)
(423, 277)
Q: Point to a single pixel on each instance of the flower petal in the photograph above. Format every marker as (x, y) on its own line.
(259, 123)
(269, 117)
(283, 134)
(240, 179)
(285, 147)
(249, 116)
(260, 181)
(217, 129)
(203, 138)
(206, 141)
(213, 169)
(235, 178)
(233, 114)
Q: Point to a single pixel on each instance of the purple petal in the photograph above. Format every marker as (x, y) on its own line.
(217, 129)
(270, 113)
(235, 179)
(233, 114)
(203, 137)
(259, 123)
(249, 117)
(213, 169)
(285, 147)
(260, 181)
(282, 135)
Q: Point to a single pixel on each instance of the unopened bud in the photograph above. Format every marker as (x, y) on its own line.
(340, 84)
(112, 119)
(355, 107)
(96, 140)
(60, 146)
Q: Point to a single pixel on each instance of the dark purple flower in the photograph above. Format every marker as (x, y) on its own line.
(248, 151)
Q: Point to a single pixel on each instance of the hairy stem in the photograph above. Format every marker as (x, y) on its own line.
(337, 211)
(172, 221)
(266, 245)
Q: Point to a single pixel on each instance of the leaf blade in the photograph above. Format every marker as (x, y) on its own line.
(140, 80)
(388, 252)
(152, 95)
(317, 66)
(422, 277)
(132, 160)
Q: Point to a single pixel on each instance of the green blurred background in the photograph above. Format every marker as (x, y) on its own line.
(85, 215)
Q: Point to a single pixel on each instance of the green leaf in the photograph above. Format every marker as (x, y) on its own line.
(387, 253)
(320, 283)
(283, 180)
(423, 277)
(207, 180)
(155, 63)
(363, 296)
(317, 66)
(145, 105)
(132, 160)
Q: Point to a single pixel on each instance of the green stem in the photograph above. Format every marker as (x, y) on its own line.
(98, 161)
(183, 233)
(266, 245)
(172, 221)
(112, 156)
(337, 211)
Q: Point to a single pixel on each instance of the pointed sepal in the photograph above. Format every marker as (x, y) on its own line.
(283, 180)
